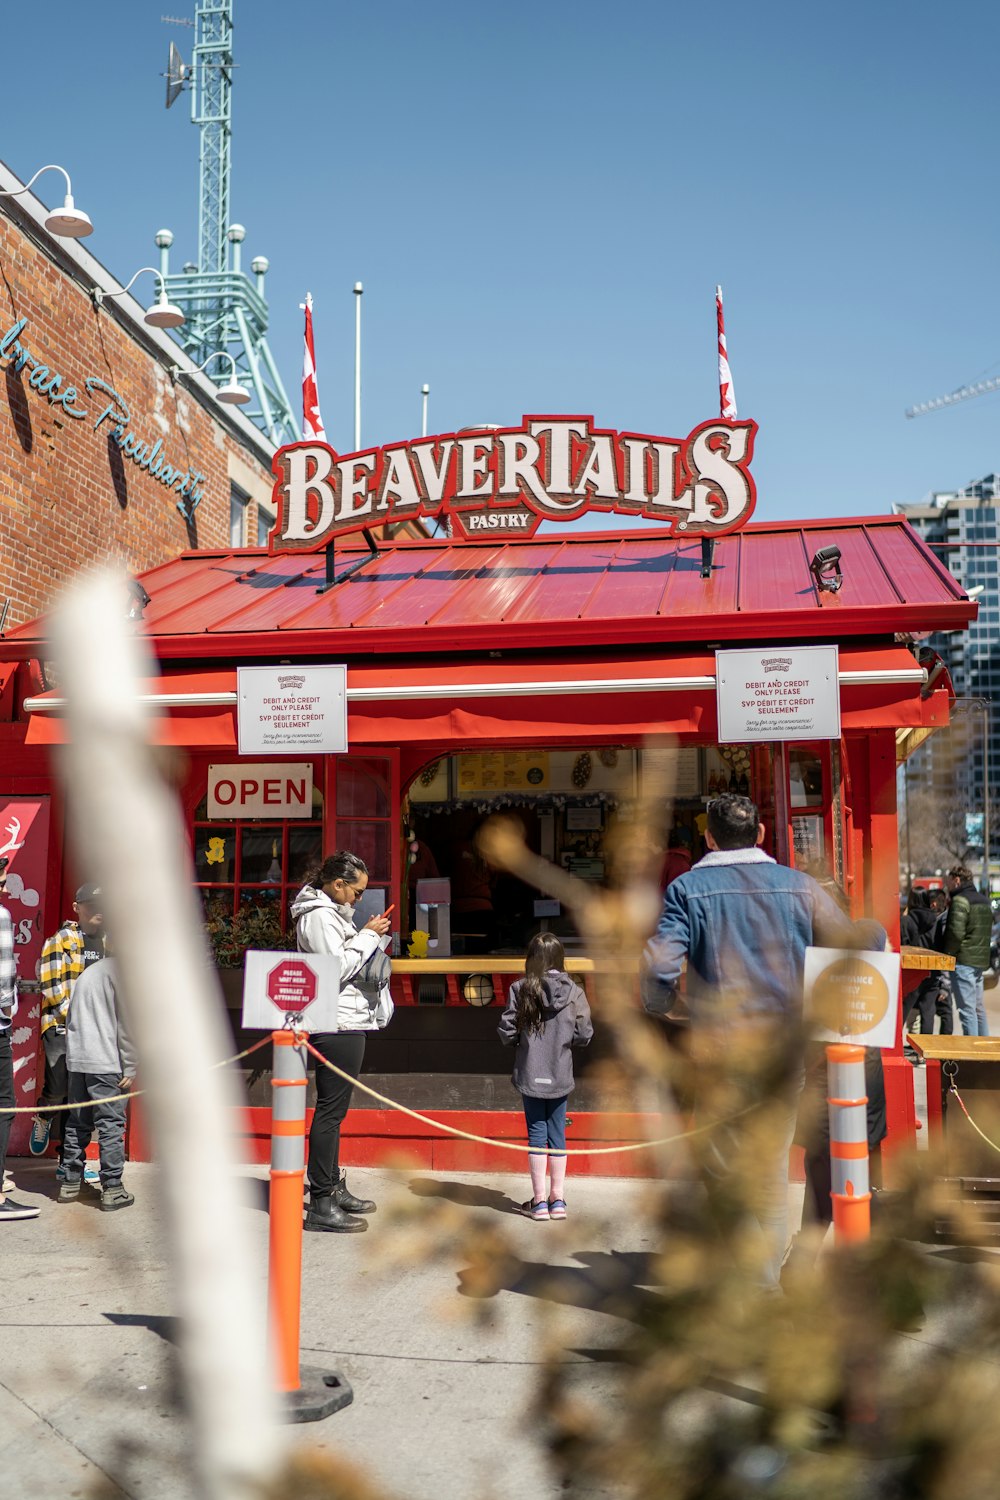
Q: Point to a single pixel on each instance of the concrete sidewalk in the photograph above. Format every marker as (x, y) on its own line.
(441, 1393)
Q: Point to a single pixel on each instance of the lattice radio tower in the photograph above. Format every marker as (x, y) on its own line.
(223, 308)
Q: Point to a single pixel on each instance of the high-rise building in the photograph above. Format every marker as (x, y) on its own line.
(963, 530)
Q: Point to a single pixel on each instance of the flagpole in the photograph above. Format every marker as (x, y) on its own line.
(312, 422)
(727, 395)
(425, 391)
(358, 290)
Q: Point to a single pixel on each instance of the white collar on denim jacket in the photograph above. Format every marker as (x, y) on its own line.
(734, 857)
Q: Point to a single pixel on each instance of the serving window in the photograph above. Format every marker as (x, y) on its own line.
(603, 813)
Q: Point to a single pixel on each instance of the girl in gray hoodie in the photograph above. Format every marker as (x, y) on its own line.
(546, 1015)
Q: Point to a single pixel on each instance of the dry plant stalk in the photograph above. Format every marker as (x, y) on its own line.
(127, 832)
(725, 1393)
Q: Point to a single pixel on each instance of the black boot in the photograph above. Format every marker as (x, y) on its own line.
(326, 1214)
(348, 1202)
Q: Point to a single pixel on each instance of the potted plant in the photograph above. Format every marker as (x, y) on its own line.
(229, 937)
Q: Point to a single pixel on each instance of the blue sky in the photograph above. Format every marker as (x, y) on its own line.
(540, 199)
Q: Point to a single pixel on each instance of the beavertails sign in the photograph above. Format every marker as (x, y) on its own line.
(504, 481)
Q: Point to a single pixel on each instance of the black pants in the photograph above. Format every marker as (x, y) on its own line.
(333, 1100)
(6, 1094)
(932, 997)
(55, 1089)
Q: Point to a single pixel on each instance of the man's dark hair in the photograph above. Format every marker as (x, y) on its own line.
(733, 821)
(961, 873)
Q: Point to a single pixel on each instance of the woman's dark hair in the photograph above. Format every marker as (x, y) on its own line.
(340, 865)
(545, 952)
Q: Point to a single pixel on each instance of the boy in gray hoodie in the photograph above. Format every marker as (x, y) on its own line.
(101, 1063)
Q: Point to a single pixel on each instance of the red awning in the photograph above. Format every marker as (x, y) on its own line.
(533, 700)
(191, 730)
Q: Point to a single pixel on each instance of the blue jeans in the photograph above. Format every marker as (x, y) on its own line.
(546, 1120)
(967, 988)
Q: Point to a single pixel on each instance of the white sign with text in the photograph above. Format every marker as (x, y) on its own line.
(784, 694)
(245, 790)
(852, 995)
(292, 708)
(277, 986)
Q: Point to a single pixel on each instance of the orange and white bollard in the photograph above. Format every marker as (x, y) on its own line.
(309, 1394)
(848, 1103)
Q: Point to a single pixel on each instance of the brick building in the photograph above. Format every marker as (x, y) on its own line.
(112, 446)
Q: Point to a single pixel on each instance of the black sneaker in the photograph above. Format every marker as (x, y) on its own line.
(11, 1210)
(69, 1190)
(116, 1197)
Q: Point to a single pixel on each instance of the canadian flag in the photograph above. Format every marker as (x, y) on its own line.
(727, 396)
(312, 422)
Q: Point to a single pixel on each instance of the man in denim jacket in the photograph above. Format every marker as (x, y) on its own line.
(743, 923)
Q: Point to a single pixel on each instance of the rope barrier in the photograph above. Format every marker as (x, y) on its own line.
(453, 1130)
(961, 1104)
(483, 1140)
(52, 1109)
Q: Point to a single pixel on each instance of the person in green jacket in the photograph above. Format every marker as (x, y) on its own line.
(967, 936)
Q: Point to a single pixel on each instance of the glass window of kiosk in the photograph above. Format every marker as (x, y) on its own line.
(360, 789)
(605, 814)
(818, 811)
(255, 863)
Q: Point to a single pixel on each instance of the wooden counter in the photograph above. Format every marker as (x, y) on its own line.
(956, 1048)
(925, 958)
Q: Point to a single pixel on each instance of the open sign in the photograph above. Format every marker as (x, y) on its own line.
(245, 790)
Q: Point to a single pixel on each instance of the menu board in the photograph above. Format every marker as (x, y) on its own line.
(674, 770)
(506, 770)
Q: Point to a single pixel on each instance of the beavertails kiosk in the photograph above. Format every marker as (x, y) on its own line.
(336, 690)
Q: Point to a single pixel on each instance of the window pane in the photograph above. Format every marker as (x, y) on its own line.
(370, 842)
(264, 523)
(237, 518)
(305, 852)
(214, 854)
(362, 788)
(805, 778)
(260, 856)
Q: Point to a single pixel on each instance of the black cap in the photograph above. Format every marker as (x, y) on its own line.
(89, 893)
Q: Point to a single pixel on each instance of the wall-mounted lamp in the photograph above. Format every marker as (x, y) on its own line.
(825, 568)
(162, 314)
(232, 394)
(933, 665)
(69, 221)
(137, 599)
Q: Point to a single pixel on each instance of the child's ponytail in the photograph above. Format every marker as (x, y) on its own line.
(545, 952)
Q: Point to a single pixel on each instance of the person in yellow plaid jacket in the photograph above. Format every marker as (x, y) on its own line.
(65, 955)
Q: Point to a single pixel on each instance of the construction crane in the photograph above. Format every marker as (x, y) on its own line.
(224, 310)
(964, 393)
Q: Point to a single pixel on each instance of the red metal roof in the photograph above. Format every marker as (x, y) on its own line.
(551, 592)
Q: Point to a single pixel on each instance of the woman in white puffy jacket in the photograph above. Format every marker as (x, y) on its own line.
(324, 923)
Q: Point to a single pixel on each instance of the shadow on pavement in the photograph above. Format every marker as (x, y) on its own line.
(165, 1327)
(611, 1282)
(468, 1194)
